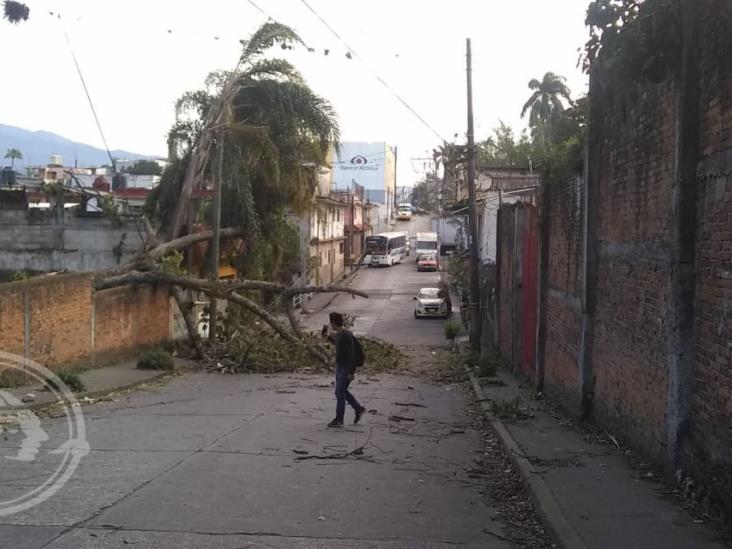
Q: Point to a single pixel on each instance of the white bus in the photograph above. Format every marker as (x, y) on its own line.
(386, 248)
(427, 243)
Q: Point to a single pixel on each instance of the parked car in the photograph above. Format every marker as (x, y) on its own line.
(428, 303)
(404, 214)
(427, 262)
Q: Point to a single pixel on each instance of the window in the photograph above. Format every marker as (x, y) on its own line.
(340, 248)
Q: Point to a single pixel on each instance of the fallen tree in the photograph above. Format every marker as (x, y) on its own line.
(145, 268)
(254, 134)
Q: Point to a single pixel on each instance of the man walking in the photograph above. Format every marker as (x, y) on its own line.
(345, 347)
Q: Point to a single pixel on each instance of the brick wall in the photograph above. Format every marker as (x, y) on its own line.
(633, 350)
(711, 415)
(629, 347)
(60, 319)
(130, 317)
(49, 319)
(562, 221)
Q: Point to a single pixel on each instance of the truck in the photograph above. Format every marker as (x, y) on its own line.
(427, 244)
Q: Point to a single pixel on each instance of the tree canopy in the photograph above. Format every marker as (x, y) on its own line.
(274, 130)
(15, 12)
(634, 39)
(145, 167)
(545, 103)
(13, 155)
(504, 149)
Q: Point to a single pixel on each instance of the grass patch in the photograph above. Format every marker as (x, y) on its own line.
(453, 328)
(10, 378)
(70, 379)
(507, 409)
(155, 359)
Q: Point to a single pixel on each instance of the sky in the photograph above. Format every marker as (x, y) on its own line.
(138, 56)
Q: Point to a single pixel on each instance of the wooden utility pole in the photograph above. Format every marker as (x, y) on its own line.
(472, 218)
(216, 228)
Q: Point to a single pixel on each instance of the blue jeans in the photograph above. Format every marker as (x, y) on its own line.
(343, 395)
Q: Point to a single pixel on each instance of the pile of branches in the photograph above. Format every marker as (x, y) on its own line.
(251, 346)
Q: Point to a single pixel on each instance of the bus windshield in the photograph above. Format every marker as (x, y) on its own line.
(376, 245)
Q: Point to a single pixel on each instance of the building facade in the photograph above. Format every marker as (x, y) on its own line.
(370, 165)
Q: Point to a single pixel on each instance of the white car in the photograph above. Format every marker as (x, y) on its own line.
(428, 303)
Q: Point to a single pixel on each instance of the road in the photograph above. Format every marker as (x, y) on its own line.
(388, 314)
(211, 460)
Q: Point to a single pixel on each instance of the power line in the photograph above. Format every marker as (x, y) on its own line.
(381, 80)
(260, 10)
(91, 103)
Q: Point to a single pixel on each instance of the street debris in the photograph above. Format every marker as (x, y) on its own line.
(358, 451)
(400, 418)
(408, 404)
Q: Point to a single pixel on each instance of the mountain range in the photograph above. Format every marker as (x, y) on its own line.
(38, 146)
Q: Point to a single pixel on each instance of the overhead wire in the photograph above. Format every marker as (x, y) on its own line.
(376, 75)
(88, 97)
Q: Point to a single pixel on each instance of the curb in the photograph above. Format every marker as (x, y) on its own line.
(36, 406)
(562, 533)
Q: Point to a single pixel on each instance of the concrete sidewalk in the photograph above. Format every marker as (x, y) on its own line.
(97, 381)
(584, 485)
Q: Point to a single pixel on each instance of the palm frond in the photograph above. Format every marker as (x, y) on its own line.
(265, 37)
(277, 68)
(530, 103)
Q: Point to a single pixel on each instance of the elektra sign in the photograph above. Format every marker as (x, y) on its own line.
(362, 163)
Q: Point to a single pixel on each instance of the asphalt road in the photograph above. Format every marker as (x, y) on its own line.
(211, 460)
(388, 313)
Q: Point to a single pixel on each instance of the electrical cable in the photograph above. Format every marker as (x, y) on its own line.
(260, 10)
(88, 97)
(381, 80)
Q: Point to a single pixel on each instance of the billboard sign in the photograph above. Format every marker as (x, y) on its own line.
(359, 162)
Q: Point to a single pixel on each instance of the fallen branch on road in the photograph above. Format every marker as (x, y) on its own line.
(358, 451)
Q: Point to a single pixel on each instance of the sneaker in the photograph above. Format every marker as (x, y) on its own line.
(336, 423)
(359, 413)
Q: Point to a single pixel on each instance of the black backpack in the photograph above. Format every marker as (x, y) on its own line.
(360, 355)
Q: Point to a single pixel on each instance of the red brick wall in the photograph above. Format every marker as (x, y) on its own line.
(562, 217)
(130, 317)
(59, 312)
(711, 417)
(60, 319)
(630, 347)
(11, 319)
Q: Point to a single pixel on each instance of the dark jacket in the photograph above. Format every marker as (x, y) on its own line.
(345, 350)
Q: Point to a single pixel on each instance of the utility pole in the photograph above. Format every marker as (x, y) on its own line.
(214, 268)
(472, 217)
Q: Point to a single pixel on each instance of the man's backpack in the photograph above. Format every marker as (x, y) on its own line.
(360, 354)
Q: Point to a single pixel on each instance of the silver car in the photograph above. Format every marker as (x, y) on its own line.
(428, 303)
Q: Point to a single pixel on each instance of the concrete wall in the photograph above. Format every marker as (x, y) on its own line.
(60, 320)
(38, 241)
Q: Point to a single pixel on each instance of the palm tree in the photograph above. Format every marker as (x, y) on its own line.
(545, 104)
(13, 155)
(273, 127)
